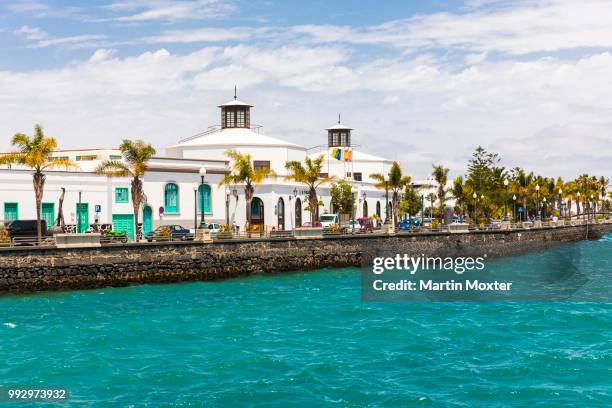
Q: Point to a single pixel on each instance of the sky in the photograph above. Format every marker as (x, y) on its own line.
(421, 82)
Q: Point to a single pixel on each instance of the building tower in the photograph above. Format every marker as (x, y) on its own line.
(235, 114)
(339, 135)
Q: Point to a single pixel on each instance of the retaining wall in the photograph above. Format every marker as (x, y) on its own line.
(36, 269)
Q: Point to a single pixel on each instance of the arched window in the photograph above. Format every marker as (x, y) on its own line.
(378, 209)
(365, 208)
(298, 213)
(171, 200)
(280, 210)
(257, 211)
(204, 197)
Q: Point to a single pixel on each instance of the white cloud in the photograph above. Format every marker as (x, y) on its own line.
(31, 33)
(549, 114)
(201, 35)
(544, 25)
(78, 41)
(170, 10)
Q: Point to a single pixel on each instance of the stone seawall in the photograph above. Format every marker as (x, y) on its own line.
(37, 269)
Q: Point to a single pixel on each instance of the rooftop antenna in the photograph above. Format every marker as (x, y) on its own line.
(235, 97)
(338, 118)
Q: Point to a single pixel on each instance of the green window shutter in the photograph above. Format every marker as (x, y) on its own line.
(121, 195)
(11, 211)
(204, 196)
(171, 202)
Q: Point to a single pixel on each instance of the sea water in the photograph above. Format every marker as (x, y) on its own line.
(308, 339)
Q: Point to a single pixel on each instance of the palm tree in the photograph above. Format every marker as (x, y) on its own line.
(244, 173)
(432, 199)
(440, 174)
(310, 175)
(136, 156)
(458, 191)
(34, 152)
(397, 182)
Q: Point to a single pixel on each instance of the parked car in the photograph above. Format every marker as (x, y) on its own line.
(352, 227)
(26, 229)
(327, 220)
(365, 224)
(406, 224)
(213, 228)
(169, 233)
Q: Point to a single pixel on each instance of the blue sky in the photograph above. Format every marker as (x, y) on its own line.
(421, 82)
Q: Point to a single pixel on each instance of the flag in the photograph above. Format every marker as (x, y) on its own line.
(336, 153)
(348, 154)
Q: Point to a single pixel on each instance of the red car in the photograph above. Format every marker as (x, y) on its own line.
(365, 225)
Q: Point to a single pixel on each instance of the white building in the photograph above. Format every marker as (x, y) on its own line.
(173, 184)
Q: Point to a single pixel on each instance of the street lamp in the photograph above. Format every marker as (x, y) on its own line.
(79, 213)
(195, 207)
(506, 200)
(560, 203)
(592, 207)
(227, 201)
(544, 205)
(514, 208)
(537, 188)
(475, 202)
(202, 175)
(578, 204)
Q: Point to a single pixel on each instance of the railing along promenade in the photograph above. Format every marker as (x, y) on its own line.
(119, 239)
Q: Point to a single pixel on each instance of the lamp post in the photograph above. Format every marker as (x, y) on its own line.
(79, 212)
(386, 199)
(537, 188)
(474, 196)
(227, 200)
(578, 204)
(195, 209)
(506, 200)
(560, 203)
(202, 175)
(422, 208)
(544, 205)
(294, 195)
(514, 207)
(592, 207)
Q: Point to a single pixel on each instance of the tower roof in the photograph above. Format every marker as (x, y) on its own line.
(235, 102)
(339, 126)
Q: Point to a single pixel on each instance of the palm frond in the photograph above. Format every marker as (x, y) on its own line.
(12, 158)
(114, 168)
(57, 163)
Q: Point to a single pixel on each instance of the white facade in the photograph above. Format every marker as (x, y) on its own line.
(178, 173)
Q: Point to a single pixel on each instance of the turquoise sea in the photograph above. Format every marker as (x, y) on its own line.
(307, 339)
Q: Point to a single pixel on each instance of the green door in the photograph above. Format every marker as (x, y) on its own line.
(147, 219)
(124, 223)
(11, 212)
(82, 215)
(47, 213)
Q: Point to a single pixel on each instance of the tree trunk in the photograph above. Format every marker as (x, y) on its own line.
(395, 209)
(60, 212)
(39, 185)
(248, 195)
(313, 203)
(136, 199)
